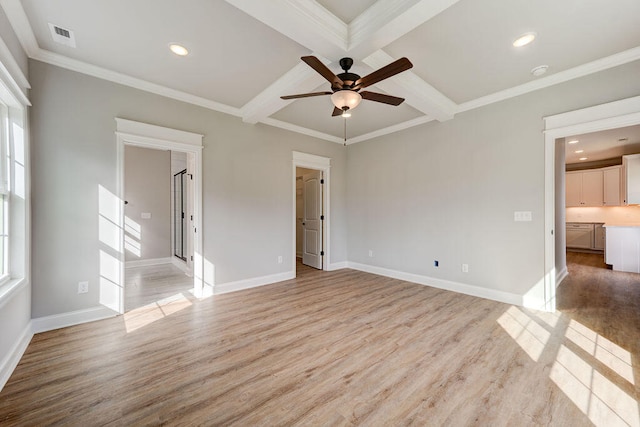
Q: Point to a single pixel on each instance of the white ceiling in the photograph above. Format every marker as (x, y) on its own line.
(245, 54)
(607, 144)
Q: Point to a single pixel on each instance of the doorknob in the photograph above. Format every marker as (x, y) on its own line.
(303, 223)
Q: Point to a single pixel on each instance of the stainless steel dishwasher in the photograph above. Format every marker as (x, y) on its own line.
(579, 235)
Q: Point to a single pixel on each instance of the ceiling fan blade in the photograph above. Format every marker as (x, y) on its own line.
(305, 95)
(380, 97)
(322, 69)
(336, 112)
(402, 64)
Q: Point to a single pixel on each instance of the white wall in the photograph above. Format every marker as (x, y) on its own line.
(247, 181)
(147, 189)
(448, 191)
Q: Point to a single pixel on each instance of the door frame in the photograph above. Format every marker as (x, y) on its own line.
(312, 161)
(144, 135)
(617, 114)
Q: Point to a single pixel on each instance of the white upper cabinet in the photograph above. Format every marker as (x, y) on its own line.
(612, 184)
(632, 166)
(584, 188)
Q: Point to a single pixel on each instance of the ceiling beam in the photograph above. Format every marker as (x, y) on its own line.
(386, 21)
(417, 93)
(303, 21)
(300, 79)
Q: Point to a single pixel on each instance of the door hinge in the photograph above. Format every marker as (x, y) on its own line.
(321, 253)
(191, 217)
(322, 181)
(191, 257)
(191, 176)
(182, 215)
(321, 217)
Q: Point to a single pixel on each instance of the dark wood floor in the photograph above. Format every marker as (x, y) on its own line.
(344, 348)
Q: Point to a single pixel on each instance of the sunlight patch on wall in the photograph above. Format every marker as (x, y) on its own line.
(145, 315)
(110, 235)
(529, 335)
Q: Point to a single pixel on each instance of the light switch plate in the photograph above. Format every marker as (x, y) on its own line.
(520, 216)
(145, 215)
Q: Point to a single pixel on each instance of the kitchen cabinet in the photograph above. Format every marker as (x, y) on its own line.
(579, 235)
(612, 186)
(632, 174)
(599, 237)
(585, 235)
(584, 188)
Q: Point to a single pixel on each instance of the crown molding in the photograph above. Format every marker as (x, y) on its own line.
(302, 130)
(20, 23)
(126, 80)
(391, 129)
(9, 63)
(602, 64)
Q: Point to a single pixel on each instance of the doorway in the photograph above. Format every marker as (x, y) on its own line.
(613, 115)
(158, 250)
(311, 222)
(309, 217)
(142, 135)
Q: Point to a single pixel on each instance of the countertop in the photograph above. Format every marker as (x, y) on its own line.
(621, 224)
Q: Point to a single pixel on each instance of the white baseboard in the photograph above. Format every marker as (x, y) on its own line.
(147, 262)
(561, 275)
(57, 321)
(11, 360)
(253, 282)
(337, 266)
(447, 285)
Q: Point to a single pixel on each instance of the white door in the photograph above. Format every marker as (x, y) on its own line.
(311, 222)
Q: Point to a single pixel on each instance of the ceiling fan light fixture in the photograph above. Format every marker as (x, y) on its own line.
(346, 98)
(345, 113)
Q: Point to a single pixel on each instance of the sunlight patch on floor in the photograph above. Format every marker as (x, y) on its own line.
(610, 354)
(597, 397)
(147, 314)
(529, 335)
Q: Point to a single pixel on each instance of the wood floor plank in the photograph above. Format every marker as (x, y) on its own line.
(340, 348)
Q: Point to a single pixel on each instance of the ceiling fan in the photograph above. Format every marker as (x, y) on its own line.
(345, 87)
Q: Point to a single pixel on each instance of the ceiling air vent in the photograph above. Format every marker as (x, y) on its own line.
(62, 35)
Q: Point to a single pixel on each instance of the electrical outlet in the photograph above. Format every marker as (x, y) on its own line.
(370, 253)
(280, 259)
(83, 287)
(436, 263)
(465, 268)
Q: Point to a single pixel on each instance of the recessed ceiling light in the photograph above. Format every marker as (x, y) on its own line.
(539, 70)
(583, 158)
(524, 39)
(573, 141)
(579, 151)
(178, 49)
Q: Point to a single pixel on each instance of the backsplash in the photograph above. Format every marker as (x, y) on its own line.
(614, 214)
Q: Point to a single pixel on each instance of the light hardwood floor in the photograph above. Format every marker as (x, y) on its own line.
(341, 348)
(146, 285)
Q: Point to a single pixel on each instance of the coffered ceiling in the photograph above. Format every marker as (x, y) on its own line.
(245, 54)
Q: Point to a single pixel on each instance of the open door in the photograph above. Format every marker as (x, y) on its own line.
(312, 251)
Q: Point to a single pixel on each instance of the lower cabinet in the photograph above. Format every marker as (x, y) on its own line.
(585, 235)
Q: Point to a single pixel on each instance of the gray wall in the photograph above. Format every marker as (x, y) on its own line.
(247, 182)
(448, 191)
(147, 189)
